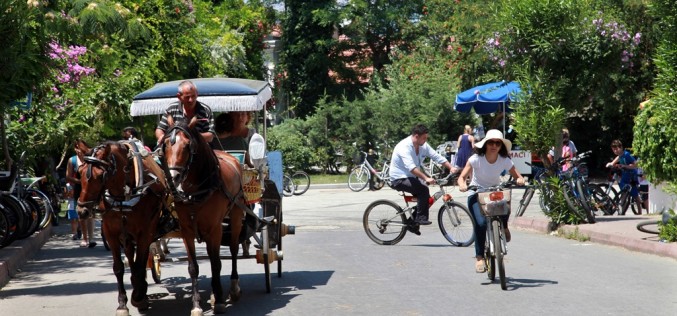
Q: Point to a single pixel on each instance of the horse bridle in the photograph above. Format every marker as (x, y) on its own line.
(103, 165)
(182, 171)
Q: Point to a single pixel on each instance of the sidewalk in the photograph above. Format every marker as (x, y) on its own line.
(18, 252)
(619, 231)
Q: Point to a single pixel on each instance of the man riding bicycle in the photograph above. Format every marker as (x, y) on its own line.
(406, 173)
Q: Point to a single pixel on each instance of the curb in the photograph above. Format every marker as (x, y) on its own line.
(19, 252)
(632, 244)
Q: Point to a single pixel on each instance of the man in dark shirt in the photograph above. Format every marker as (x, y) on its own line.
(185, 109)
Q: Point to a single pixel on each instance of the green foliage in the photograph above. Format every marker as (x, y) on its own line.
(668, 231)
(306, 61)
(22, 62)
(289, 139)
(559, 212)
(538, 116)
(594, 56)
(654, 128)
(574, 235)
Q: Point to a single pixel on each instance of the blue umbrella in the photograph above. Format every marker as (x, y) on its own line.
(488, 98)
(220, 94)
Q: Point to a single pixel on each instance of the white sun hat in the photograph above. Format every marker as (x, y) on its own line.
(495, 134)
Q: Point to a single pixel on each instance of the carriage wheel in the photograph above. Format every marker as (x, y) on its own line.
(266, 267)
(279, 244)
(154, 263)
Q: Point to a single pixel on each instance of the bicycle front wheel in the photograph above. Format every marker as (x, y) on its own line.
(301, 181)
(586, 202)
(456, 224)
(384, 222)
(649, 227)
(524, 202)
(358, 179)
(498, 250)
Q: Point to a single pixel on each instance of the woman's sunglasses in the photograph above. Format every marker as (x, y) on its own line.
(494, 142)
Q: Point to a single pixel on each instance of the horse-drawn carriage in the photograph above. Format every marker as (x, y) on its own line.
(204, 191)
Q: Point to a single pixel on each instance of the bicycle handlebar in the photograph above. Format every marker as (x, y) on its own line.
(504, 185)
(447, 180)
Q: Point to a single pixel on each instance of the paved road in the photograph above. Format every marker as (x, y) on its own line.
(332, 268)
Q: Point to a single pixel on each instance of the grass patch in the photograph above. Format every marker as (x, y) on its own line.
(574, 235)
(328, 178)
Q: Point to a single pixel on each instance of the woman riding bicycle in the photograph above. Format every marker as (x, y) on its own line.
(491, 158)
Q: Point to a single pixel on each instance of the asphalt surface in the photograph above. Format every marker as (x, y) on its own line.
(618, 231)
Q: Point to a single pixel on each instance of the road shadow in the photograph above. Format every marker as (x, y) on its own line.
(513, 284)
(254, 299)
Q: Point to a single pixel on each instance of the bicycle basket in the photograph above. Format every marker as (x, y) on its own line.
(495, 203)
(583, 170)
(358, 158)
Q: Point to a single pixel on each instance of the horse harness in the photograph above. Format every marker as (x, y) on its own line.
(132, 194)
(207, 186)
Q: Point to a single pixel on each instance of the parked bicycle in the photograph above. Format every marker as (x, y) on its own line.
(495, 202)
(574, 185)
(609, 201)
(361, 175)
(386, 223)
(295, 183)
(538, 183)
(22, 213)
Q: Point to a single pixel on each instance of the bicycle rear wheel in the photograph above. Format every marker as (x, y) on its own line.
(456, 224)
(358, 179)
(18, 215)
(5, 226)
(498, 250)
(649, 227)
(45, 210)
(573, 203)
(288, 186)
(602, 201)
(33, 214)
(384, 222)
(301, 181)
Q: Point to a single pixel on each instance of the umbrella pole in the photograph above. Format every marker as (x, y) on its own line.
(504, 119)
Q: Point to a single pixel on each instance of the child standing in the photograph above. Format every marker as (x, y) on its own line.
(628, 166)
(72, 213)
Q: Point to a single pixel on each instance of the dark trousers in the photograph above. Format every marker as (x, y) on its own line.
(417, 189)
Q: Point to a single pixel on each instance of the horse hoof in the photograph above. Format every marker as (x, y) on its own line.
(141, 305)
(220, 308)
(196, 312)
(122, 312)
(234, 296)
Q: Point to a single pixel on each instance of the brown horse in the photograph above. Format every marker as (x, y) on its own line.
(207, 187)
(129, 191)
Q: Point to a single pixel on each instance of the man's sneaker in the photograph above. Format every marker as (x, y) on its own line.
(423, 220)
(414, 229)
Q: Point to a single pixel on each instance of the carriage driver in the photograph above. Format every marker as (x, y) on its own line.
(184, 110)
